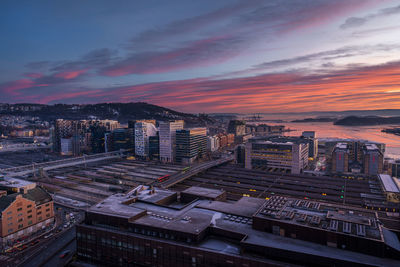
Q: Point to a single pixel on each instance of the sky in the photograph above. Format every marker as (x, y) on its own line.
(244, 56)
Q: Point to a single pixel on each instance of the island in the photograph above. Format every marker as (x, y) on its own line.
(368, 120)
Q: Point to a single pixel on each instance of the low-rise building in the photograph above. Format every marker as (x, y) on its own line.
(154, 227)
(25, 209)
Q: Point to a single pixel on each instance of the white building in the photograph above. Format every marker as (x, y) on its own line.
(66, 146)
(168, 139)
(212, 143)
(143, 130)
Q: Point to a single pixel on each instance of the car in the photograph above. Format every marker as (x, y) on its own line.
(47, 236)
(64, 254)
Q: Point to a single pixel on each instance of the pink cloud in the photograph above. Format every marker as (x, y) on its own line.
(68, 75)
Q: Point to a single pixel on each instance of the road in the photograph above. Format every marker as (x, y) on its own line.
(50, 252)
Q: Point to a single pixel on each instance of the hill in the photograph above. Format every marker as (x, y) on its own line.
(116, 111)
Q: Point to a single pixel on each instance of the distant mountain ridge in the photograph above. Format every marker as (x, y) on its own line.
(117, 111)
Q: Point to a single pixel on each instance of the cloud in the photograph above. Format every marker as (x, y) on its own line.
(359, 87)
(199, 53)
(353, 22)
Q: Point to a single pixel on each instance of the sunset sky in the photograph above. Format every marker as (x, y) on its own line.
(203, 56)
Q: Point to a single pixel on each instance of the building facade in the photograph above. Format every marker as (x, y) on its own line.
(168, 139)
(24, 209)
(190, 144)
(373, 159)
(277, 154)
(340, 158)
(144, 228)
(143, 130)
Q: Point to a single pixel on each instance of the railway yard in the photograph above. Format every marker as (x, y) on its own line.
(239, 182)
(82, 186)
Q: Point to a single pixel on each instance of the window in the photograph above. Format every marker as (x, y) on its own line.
(40, 218)
(10, 230)
(8, 213)
(48, 215)
(47, 204)
(20, 219)
(20, 226)
(19, 209)
(30, 216)
(29, 206)
(9, 218)
(10, 224)
(39, 213)
(29, 222)
(47, 209)
(29, 211)
(39, 207)
(20, 214)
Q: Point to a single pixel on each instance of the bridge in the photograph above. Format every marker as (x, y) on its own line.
(50, 165)
(181, 176)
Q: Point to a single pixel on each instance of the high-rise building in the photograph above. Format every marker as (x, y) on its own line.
(143, 130)
(154, 147)
(80, 133)
(122, 138)
(167, 135)
(212, 143)
(190, 144)
(237, 127)
(340, 158)
(312, 144)
(373, 159)
(287, 154)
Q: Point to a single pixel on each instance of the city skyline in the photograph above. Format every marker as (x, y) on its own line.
(230, 56)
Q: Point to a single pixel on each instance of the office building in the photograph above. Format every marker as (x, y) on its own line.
(168, 139)
(277, 154)
(373, 159)
(312, 143)
(146, 227)
(237, 127)
(24, 207)
(394, 168)
(154, 147)
(80, 133)
(212, 143)
(143, 130)
(191, 144)
(340, 158)
(122, 138)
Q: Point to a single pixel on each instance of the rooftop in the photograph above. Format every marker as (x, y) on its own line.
(388, 183)
(234, 220)
(326, 217)
(203, 192)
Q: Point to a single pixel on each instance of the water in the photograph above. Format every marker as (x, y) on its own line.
(328, 129)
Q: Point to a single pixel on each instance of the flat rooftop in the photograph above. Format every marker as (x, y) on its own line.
(388, 183)
(236, 221)
(322, 216)
(246, 206)
(203, 192)
(16, 183)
